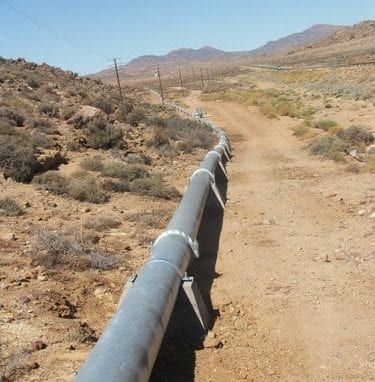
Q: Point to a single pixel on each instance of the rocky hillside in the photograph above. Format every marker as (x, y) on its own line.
(87, 183)
(350, 45)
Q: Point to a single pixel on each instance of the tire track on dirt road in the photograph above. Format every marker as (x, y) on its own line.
(290, 308)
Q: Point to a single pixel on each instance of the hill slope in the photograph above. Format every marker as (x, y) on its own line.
(312, 34)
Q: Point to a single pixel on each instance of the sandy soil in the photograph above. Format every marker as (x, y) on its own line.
(294, 291)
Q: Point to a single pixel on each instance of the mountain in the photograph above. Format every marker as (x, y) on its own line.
(315, 33)
(143, 67)
(349, 45)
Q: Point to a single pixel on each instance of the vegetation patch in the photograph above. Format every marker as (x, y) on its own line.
(271, 102)
(100, 134)
(54, 248)
(331, 147)
(356, 135)
(9, 207)
(325, 124)
(79, 186)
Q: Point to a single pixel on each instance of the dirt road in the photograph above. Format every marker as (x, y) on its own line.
(295, 291)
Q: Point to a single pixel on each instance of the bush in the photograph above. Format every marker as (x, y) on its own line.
(54, 248)
(122, 185)
(33, 82)
(44, 125)
(124, 171)
(102, 224)
(325, 124)
(123, 111)
(356, 135)
(159, 139)
(83, 187)
(10, 207)
(79, 186)
(330, 147)
(52, 181)
(104, 104)
(102, 135)
(153, 186)
(135, 117)
(17, 158)
(11, 116)
(92, 163)
(133, 158)
(50, 109)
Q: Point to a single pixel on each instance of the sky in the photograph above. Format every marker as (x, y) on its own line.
(83, 35)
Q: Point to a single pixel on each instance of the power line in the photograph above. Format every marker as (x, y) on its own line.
(50, 30)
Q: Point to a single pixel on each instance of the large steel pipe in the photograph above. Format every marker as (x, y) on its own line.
(128, 347)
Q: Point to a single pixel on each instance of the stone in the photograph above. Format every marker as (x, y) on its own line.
(38, 345)
(361, 212)
(42, 277)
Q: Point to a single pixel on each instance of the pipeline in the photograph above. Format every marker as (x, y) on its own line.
(129, 345)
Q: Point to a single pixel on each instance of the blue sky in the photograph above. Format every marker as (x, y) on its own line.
(81, 35)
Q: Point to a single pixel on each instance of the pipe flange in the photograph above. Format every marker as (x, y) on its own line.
(192, 243)
(212, 176)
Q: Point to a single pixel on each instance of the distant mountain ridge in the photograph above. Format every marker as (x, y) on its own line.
(308, 36)
(144, 65)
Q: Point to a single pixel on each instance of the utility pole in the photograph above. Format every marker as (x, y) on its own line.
(195, 85)
(202, 77)
(182, 86)
(161, 86)
(118, 80)
(208, 76)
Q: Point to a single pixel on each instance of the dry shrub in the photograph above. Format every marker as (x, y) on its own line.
(50, 109)
(124, 171)
(92, 163)
(102, 135)
(54, 248)
(325, 124)
(154, 218)
(80, 186)
(153, 186)
(9, 207)
(102, 224)
(330, 147)
(18, 158)
(356, 135)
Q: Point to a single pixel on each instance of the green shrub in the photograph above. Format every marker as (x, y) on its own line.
(50, 109)
(330, 147)
(10, 207)
(102, 135)
(92, 163)
(356, 135)
(124, 171)
(325, 124)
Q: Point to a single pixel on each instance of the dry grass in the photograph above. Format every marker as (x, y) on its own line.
(9, 207)
(271, 102)
(55, 248)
